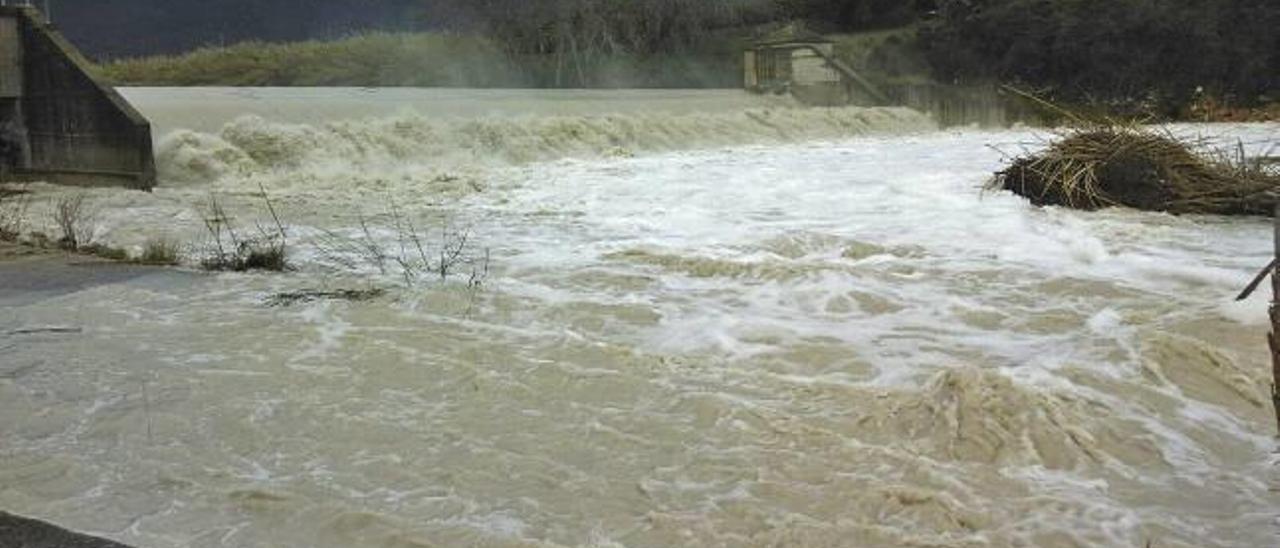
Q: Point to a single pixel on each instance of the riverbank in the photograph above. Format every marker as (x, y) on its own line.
(11, 252)
(30, 274)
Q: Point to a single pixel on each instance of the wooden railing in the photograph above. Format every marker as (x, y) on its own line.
(850, 74)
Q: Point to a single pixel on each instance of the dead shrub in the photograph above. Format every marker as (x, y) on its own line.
(417, 255)
(14, 203)
(231, 249)
(75, 219)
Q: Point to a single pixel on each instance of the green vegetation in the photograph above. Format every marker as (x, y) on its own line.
(160, 252)
(379, 59)
(105, 252)
(422, 60)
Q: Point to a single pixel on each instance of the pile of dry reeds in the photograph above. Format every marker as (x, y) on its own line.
(1114, 164)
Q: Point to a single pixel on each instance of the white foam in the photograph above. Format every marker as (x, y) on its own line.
(251, 145)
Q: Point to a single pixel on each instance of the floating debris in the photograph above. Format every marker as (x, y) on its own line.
(1108, 165)
(291, 298)
(42, 330)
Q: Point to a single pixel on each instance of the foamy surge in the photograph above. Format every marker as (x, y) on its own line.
(252, 145)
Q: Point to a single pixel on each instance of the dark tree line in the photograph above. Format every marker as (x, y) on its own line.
(655, 26)
(107, 29)
(609, 42)
(1159, 51)
(650, 42)
(856, 14)
(608, 26)
(1125, 51)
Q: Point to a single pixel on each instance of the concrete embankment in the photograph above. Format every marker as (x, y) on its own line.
(31, 274)
(20, 532)
(58, 122)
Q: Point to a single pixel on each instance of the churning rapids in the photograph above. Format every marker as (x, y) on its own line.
(706, 320)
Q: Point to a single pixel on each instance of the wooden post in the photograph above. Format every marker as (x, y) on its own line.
(1274, 337)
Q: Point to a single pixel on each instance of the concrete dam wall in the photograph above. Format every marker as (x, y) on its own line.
(58, 123)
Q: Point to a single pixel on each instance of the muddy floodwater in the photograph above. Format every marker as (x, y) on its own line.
(666, 319)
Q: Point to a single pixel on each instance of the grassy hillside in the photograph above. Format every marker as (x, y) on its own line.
(380, 59)
(423, 60)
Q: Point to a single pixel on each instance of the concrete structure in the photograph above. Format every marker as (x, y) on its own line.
(20, 532)
(58, 123)
(797, 61)
(955, 105)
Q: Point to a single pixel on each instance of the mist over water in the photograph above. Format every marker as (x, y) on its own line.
(740, 324)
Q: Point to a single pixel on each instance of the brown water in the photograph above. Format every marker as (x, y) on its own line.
(821, 336)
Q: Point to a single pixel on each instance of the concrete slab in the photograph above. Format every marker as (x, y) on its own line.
(20, 532)
(29, 275)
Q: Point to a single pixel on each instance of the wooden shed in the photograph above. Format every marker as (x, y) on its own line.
(798, 61)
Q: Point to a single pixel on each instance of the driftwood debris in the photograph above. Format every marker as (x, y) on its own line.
(1273, 338)
(310, 295)
(1101, 165)
(42, 330)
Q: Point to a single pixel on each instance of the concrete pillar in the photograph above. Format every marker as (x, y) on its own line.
(14, 152)
(68, 127)
(10, 58)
